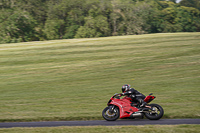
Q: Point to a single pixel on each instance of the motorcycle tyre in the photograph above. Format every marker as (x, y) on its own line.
(150, 117)
(110, 119)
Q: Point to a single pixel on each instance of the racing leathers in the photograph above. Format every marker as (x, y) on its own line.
(136, 96)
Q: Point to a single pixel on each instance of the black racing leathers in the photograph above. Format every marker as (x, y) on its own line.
(136, 96)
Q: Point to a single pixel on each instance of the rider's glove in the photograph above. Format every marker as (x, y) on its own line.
(121, 94)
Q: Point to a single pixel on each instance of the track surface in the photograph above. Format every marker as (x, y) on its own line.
(101, 122)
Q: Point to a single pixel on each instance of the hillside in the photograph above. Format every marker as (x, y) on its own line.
(73, 79)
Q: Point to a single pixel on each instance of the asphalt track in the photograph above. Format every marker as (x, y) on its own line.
(100, 123)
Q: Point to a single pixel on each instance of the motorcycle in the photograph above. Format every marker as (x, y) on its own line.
(124, 108)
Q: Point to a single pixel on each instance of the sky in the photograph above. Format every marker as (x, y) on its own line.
(178, 1)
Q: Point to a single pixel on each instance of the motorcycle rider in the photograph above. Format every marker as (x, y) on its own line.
(134, 95)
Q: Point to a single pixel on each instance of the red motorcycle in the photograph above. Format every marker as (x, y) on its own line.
(124, 108)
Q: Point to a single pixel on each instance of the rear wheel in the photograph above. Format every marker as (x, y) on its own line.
(110, 116)
(156, 113)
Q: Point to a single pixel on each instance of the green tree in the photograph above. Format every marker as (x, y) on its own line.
(30, 20)
(173, 1)
(7, 4)
(130, 17)
(54, 29)
(188, 18)
(37, 8)
(96, 27)
(16, 26)
(64, 17)
(96, 24)
(86, 32)
(191, 3)
(173, 18)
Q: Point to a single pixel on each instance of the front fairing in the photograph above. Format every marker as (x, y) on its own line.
(124, 106)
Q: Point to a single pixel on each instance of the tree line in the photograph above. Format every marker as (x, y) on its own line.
(36, 20)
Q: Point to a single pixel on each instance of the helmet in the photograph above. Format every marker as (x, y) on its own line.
(125, 88)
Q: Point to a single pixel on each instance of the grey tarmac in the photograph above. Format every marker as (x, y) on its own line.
(120, 122)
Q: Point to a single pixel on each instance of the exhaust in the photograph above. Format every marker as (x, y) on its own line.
(136, 115)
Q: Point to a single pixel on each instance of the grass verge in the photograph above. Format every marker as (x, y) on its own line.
(116, 129)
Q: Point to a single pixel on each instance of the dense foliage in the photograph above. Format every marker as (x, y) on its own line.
(34, 20)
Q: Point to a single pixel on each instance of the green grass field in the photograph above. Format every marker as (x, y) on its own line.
(73, 79)
(109, 129)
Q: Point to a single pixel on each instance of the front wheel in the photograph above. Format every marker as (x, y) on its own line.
(110, 116)
(156, 113)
